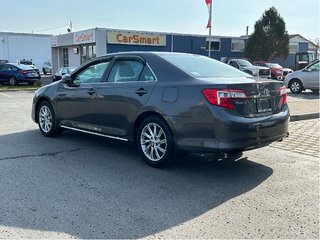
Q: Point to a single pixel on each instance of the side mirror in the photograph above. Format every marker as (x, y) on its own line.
(66, 79)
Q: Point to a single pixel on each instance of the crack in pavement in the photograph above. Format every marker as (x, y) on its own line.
(43, 154)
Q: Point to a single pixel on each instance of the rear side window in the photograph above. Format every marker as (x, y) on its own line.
(200, 66)
(126, 71)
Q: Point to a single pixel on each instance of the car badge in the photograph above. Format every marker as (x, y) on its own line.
(266, 92)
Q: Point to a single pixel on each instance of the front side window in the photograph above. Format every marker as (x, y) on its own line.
(126, 71)
(92, 74)
(234, 64)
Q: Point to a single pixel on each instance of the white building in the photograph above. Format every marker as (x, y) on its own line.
(17, 46)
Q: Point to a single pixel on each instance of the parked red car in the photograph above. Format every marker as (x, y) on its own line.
(277, 71)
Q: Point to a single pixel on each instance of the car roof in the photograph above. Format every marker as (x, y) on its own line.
(21, 66)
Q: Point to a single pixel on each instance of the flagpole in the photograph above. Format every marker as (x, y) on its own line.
(210, 26)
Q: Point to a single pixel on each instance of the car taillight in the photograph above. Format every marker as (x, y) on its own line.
(23, 72)
(283, 94)
(223, 97)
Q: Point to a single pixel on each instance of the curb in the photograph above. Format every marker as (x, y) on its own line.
(301, 117)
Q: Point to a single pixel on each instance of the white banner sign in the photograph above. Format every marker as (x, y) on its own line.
(84, 37)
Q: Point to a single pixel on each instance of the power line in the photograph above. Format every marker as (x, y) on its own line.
(44, 30)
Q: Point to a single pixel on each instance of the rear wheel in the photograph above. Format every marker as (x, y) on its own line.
(296, 86)
(44, 71)
(12, 81)
(47, 120)
(155, 142)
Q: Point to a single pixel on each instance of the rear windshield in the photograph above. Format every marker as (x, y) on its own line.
(200, 66)
(25, 67)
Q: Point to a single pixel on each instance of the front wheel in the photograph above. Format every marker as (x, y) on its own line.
(47, 120)
(295, 86)
(155, 142)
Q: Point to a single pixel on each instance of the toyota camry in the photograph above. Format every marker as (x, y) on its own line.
(165, 104)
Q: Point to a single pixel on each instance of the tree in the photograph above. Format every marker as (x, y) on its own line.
(269, 39)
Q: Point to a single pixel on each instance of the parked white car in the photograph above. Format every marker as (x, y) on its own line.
(307, 78)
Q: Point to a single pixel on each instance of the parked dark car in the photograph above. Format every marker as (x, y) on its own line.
(62, 71)
(165, 103)
(18, 73)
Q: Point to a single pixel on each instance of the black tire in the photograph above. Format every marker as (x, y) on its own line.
(12, 81)
(47, 121)
(44, 71)
(30, 83)
(161, 146)
(295, 86)
(234, 156)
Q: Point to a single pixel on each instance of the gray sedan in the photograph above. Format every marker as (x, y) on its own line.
(165, 104)
(307, 78)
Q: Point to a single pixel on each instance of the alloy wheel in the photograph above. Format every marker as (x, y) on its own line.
(153, 142)
(45, 119)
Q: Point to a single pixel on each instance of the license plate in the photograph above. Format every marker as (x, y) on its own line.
(33, 74)
(263, 105)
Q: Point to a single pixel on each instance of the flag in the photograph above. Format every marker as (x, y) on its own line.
(209, 2)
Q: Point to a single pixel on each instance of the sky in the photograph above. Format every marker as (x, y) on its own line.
(230, 17)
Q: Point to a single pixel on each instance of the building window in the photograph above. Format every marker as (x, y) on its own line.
(237, 45)
(215, 45)
(65, 57)
(293, 47)
(87, 52)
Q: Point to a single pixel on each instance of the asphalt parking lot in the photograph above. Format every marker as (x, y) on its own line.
(80, 186)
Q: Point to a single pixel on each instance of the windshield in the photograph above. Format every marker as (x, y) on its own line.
(244, 63)
(273, 65)
(200, 66)
(71, 69)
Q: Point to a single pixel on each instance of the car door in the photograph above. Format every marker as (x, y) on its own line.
(311, 76)
(76, 101)
(129, 85)
(5, 72)
(2, 72)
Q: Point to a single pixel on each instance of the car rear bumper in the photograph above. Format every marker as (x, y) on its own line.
(29, 79)
(227, 133)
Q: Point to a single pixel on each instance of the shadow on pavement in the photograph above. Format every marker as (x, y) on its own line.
(307, 95)
(90, 187)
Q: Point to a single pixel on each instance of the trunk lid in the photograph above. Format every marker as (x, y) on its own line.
(262, 97)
